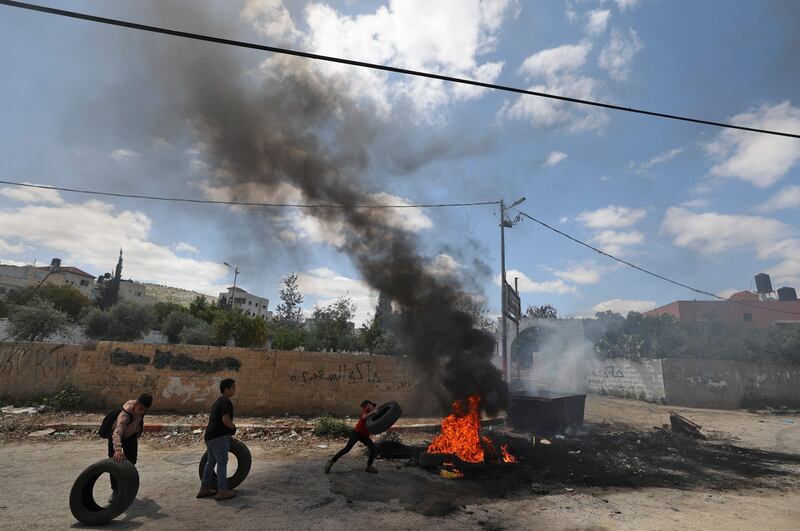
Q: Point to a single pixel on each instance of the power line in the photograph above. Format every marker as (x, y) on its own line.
(646, 271)
(375, 66)
(243, 203)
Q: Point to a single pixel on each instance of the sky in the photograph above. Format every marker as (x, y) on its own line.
(80, 107)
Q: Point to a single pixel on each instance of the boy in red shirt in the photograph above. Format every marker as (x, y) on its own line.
(360, 434)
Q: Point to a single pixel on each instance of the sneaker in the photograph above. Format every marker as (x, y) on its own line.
(205, 492)
(371, 469)
(225, 495)
(328, 467)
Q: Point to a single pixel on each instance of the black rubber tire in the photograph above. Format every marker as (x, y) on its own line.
(81, 498)
(244, 462)
(386, 416)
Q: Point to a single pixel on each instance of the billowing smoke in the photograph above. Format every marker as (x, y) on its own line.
(285, 123)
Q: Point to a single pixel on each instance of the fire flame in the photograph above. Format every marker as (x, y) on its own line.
(461, 433)
(507, 456)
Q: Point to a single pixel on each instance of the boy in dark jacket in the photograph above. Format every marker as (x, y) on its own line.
(360, 434)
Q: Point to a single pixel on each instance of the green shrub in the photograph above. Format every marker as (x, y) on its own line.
(67, 399)
(123, 322)
(37, 321)
(197, 335)
(176, 322)
(330, 426)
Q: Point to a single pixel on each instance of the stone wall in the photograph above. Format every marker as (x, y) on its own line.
(185, 378)
(626, 378)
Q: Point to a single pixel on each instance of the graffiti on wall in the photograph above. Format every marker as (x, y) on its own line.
(45, 362)
(359, 372)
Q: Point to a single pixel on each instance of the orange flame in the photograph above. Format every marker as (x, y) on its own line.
(507, 456)
(461, 433)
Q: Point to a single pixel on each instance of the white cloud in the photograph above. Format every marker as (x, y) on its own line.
(185, 247)
(695, 203)
(563, 219)
(13, 263)
(554, 158)
(32, 195)
(553, 61)
(598, 21)
(618, 54)
(444, 265)
(622, 306)
(712, 233)
(788, 197)
(122, 154)
(404, 33)
(661, 158)
(586, 273)
(626, 4)
(615, 242)
(526, 285)
(12, 248)
(270, 18)
(759, 159)
(611, 217)
(90, 235)
(325, 285)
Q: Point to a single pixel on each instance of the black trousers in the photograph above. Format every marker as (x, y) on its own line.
(354, 438)
(130, 447)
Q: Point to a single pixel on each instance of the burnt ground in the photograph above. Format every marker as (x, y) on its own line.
(599, 458)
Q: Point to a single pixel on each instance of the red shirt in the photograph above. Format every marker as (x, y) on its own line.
(361, 427)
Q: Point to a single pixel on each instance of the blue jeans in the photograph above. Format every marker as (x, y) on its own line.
(217, 455)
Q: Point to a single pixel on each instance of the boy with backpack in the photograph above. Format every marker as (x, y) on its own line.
(123, 427)
(359, 434)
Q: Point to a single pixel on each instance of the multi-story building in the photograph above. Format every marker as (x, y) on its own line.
(136, 292)
(249, 304)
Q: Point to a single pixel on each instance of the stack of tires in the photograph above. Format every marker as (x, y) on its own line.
(81, 498)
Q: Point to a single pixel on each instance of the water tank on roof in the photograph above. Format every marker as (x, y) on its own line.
(763, 283)
(787, 294)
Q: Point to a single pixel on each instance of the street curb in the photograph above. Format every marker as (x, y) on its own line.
(184, 428)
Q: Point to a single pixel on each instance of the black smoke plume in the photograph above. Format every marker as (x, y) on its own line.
(284, 122)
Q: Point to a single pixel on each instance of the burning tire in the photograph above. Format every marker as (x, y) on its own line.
(243, 463)
(426, 460)
(81, 498)
(386, 416)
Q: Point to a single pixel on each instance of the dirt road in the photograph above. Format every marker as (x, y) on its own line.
(287, 489)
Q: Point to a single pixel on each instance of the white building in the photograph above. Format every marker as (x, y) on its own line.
(136, 292)
(248, 303)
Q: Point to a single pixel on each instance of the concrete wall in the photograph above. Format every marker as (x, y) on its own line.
(730, 384)
(185, 378)
(622, 377)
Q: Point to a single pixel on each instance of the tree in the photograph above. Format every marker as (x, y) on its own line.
(176, 322)
(202, 309)
(162, 310)
(332, 329)
(124, 322)
(286, 336)
(199, 334)
(544, 311)
(374, 337)
(36, 321)
(66, 299)
(289, 310)
(109, 286)
(245, 331)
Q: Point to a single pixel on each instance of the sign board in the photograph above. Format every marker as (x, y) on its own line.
(513, 303)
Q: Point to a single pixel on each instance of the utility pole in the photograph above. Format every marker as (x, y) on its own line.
(516, 334)
(504, 223)
(235, 274)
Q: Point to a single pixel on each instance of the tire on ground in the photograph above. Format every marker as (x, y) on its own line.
(387, 415)
(244, 461)
(81, 498)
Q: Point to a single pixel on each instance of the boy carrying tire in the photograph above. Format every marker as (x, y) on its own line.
(359, 434)
(123, 442)
(218, 442)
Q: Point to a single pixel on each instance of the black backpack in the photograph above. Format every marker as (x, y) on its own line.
(106, 426)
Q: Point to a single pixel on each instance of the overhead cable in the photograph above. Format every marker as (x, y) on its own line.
(245, 203)
(646, 271)
(385, 68)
